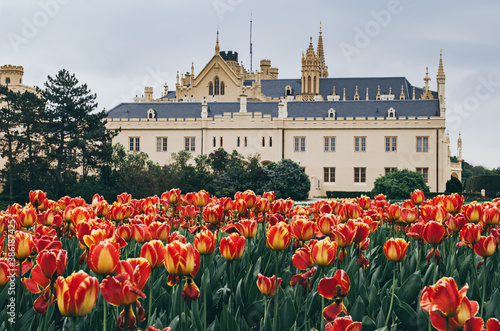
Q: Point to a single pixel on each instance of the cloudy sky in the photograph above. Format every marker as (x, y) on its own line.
(118, 47)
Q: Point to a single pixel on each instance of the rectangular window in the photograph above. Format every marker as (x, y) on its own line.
(299, 144)
(389, 170)
(189, 144)
(134, 144)
(329, 144)
(270, 141)
(391, 144)
(425, 173)
(221, 141)
(360, 175)
(360, 144)
(329, 175)
(422, 144)
(246, 142)
(238, 142)
(263, 142)
(214, 142)
(161, 144)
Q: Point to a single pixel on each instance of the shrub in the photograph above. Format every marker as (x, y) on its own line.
(453, 185)
(287, 179)
(399, 184)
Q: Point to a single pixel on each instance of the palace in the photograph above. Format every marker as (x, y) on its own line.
(344, 132)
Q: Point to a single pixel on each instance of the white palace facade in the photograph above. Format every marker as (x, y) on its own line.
(344, 132)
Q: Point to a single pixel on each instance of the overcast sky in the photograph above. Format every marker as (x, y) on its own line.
(118, 47)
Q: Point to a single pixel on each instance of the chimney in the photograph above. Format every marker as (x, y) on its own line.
(204, 108)
(243, 103)
(282, 109)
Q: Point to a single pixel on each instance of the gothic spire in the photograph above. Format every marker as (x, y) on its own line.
(323, 69)
(217, 48)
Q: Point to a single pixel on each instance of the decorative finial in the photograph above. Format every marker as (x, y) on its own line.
(217, 48)
(319, 26)
(344, 95)
(413, 93)
(367, 98)
(402, 95)
(334, 90)
(440, 73)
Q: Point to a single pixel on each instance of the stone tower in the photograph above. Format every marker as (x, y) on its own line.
(440, 79)
(11, 75)
(310, 71)
(323, 68)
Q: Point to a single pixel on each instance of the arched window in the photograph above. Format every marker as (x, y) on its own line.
(216, 86)
(309, 84)
(314, 91)
(288, 90)
(210, 88)
(222, 88)
(7, 80)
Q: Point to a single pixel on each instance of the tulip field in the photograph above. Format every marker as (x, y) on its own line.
(198, 262)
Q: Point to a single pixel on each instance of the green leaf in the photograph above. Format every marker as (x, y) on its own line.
(358, 309)
(410, 289)
(490, 306)
(406, 314)
(373, 300)
(196, 316)
(381, 318)
(287, 314)
(254, 313)
(368, 324)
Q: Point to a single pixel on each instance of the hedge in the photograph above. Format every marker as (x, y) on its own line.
(490, 183)
(347, 194)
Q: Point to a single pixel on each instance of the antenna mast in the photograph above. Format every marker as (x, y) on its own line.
(250, 42)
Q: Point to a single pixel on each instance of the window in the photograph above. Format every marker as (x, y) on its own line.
(391, 144)
(238, 142)
(215, 142)
(246, 142)
(161, 144)
(360, 144)
(422, 144)
(329, 144)
(299, 144)
(389, 170)
(222, 88)
(210, 88)
(425, 173)
(329, 175)
(189, 144)
(270, 141)
(263, 142)
(221, 141)
(216, 87)
(360, 175)
(134, 144)
(7, 80)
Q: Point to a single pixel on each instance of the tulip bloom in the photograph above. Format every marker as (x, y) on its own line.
(491, 216)
(159, 231)
(354, 211)
(232, 247)
(23, 245)
(470, 234)
(485, 248)
(5, 273)
(138, 269)
(213, 213)
(278, 236)
(453, 203)
(302, 228)
(395, 249)
(409, 215)
(181, 259)
(443, 298)
(467, 309)
(103, 257)
(343, 234)
(477, 323)
(76, 294)
(27, 217)
(325, 223)
(335, 288)
(323, 252)
(433, 233)
(343, 324)
(154, 252)
(37, 197)
(364, 202)
(301, 259)
(473, 212)
(270, 196)
(267, 285)
(247, 228)
(393, 212)
(417, 197)
(205, 242)
(120, 290)
(52, 262)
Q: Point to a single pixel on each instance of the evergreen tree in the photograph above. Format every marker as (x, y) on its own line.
(77, 136)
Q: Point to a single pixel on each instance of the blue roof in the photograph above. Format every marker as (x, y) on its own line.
(317, 109)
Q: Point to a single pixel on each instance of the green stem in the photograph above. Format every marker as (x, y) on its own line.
(126, 316)
(392, 296)
(265, 313)
(447, 324)
(485, 274)
(73, 323)
(180, 305)
(104, 314)
(275, 320)
(152, 279)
